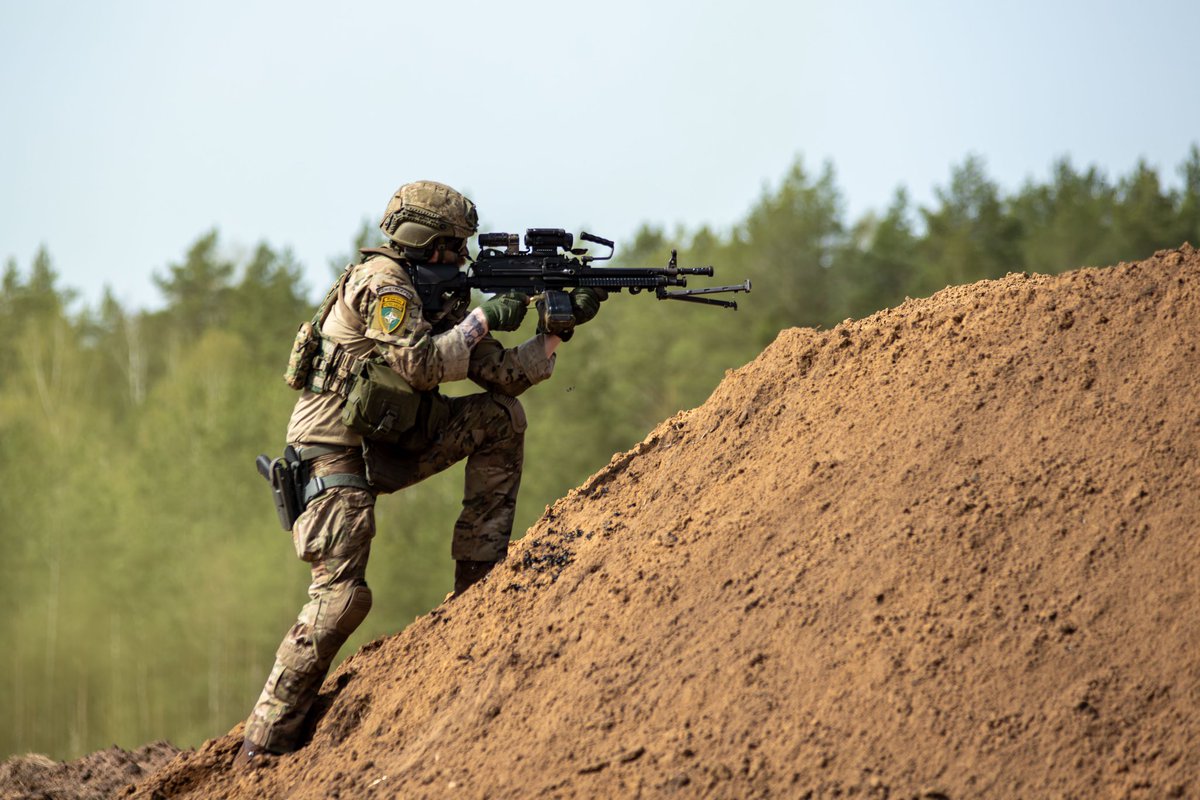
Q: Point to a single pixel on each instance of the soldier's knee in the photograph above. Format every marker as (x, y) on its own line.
(358, 605)
(514, 411)
(342, 610)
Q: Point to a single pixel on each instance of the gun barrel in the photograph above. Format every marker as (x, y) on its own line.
(264, 466)
(696, 271)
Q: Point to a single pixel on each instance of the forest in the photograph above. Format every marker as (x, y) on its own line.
(149, 582)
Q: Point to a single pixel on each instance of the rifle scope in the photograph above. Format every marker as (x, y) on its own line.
(546, 241)
(508, 240)
(540, 241)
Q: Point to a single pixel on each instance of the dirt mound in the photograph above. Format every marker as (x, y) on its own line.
(947, 551)
(94, 777)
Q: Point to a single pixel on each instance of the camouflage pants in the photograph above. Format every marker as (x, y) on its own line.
(335, 531)
(489, 431)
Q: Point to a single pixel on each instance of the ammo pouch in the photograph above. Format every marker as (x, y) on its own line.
(300, 361)
(380, 404)
(392, 466)
(316, 363)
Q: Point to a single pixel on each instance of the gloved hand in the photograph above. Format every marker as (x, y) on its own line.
(504, 312)
(585, 302)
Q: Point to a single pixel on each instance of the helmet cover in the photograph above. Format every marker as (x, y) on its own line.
(421, 211)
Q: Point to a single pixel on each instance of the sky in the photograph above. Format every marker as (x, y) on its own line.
(129, 128)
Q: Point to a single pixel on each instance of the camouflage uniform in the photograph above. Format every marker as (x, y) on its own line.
(378, 311)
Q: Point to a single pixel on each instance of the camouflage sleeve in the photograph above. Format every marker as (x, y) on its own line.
(391, 308)
(511, 370)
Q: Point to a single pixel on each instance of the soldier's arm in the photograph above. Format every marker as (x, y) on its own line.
(512, 370)
(391, 308)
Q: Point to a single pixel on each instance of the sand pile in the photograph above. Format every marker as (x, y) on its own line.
(947, 551)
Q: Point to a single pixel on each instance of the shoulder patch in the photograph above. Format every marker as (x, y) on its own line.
(392, 309)
(403, 291)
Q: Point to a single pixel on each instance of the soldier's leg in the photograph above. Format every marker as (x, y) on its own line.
(493, 477)
(488, 430)
(334, 533)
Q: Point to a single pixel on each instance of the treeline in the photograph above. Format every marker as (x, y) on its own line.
(148, 581)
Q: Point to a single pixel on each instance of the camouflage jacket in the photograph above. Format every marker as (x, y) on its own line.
(378, 311)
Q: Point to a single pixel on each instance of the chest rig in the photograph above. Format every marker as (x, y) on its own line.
(317, 363)
(378, 403)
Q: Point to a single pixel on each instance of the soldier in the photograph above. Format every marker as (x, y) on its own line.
(375, 311)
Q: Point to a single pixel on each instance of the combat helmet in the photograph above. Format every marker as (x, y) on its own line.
(421, 211)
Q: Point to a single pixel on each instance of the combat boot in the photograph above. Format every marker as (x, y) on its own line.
(252, 756)
(468, 573)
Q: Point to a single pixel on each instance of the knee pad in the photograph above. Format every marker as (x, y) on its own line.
(516, 412)
(341, 613)
(355, 611)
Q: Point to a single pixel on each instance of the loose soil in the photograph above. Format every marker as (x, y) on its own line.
(947, 551)
(94, 777)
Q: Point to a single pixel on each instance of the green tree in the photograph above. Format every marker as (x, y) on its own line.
(1067, 222)
(198, 289)
(788, 244)
(969, 235)
(880, 265)
(267, 304)
(1144, 217)
(1189, 199)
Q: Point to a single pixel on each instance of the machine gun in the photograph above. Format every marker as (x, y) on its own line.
(550, 264)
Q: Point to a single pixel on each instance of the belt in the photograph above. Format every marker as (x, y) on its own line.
(320, 483)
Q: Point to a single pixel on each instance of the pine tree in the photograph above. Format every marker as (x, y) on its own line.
(969, 235)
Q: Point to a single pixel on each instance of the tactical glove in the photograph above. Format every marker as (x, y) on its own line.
(504, 312)
(585, 302)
